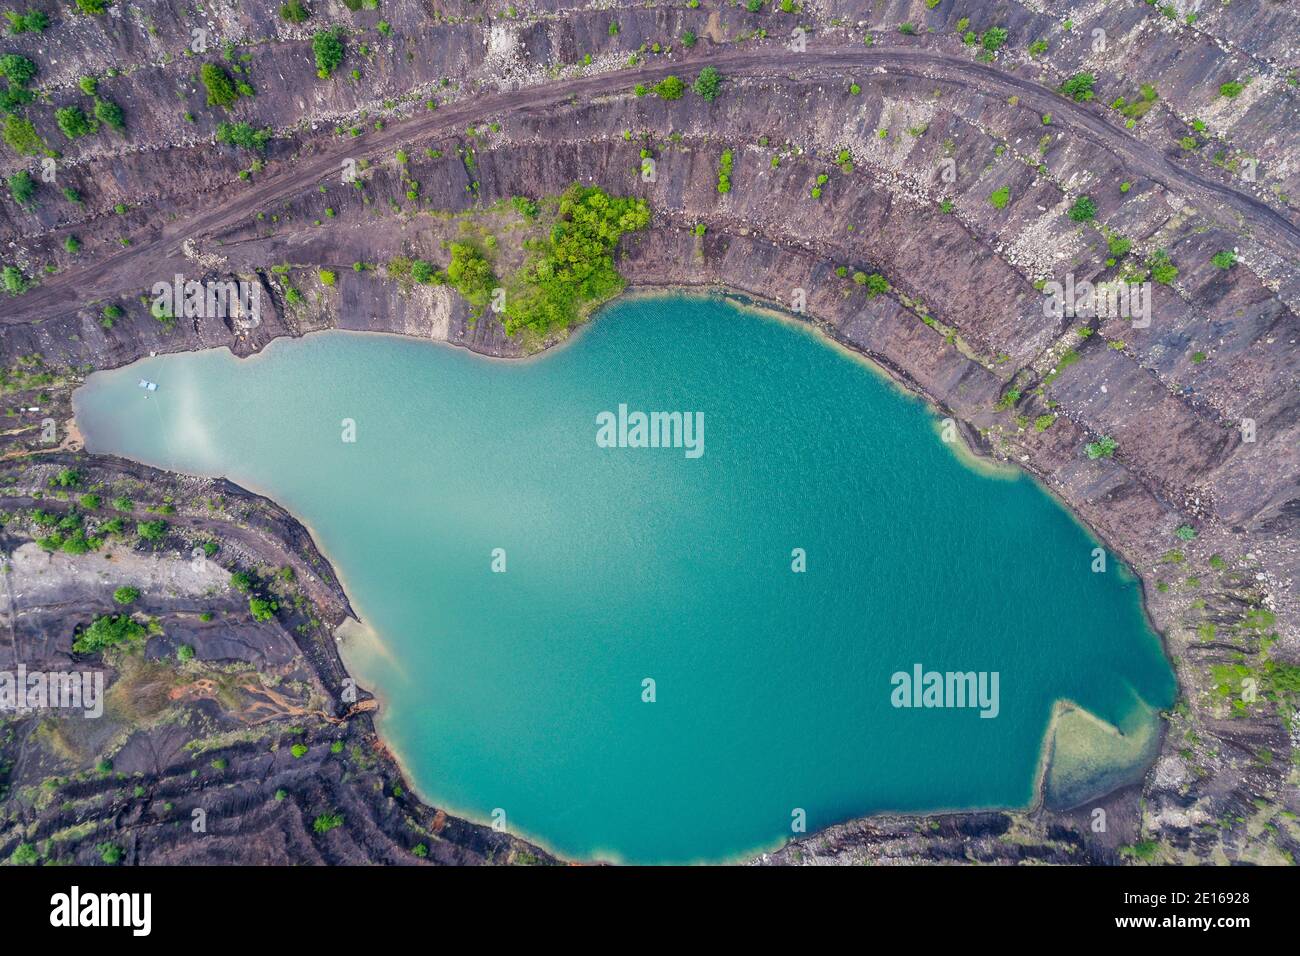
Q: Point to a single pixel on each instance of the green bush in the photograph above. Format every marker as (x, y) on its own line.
(22, 187)
(151, 530)
(243, 135)
(108, 852)
(574, 266)
(328, 49)
(1102, 448)
(105, 631)
(126, 595)
(725, 165)
(17, 69)
(1083, 209)
(74, 123)
(13, 280)
(1079, 87)
(669, 88)
(708, 84)
(1000, 197)
(262, 609)
(470, 273)
(327, 822)
(20, 135)
(294, 11)
(1162, 267)
(221, 88)
(33, 21)
(1225, 259)
(993, 39)
(25, 855)
(110, 114)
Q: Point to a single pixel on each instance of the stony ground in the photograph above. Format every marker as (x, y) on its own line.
(864, 138)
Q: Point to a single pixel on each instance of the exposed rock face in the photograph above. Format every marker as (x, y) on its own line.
(231, 757)
(915, 136)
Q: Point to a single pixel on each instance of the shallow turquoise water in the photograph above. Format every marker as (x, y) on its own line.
(523, 690)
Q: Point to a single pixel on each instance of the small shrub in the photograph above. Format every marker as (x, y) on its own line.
(669, 88)
(1083, 209)
(1078, 87)
(1102, 448)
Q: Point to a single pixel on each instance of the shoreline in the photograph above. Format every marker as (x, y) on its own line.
(967, 453)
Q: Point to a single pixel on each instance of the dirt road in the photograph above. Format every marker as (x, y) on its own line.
(125, 272)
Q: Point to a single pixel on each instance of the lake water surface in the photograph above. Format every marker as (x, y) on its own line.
(523, 691)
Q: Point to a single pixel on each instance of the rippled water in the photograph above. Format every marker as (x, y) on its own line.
(523, 691)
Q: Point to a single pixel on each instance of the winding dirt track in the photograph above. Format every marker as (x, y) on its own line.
(126, 272)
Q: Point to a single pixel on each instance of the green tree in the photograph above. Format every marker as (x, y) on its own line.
(74, 122)
(470, 273)
(328, 49)
(708, 84)
(993, 39)
(105, 631)
(670, 88)
(422, 271)
(20, 135)
(877, 285)
(1078, 87)
(22, 187)
(262, 609)
(574, 266)
(17, 69)
(220, 87)
(110, 114)
(33, 21)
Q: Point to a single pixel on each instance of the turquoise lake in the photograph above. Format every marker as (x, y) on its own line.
(523, 690)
